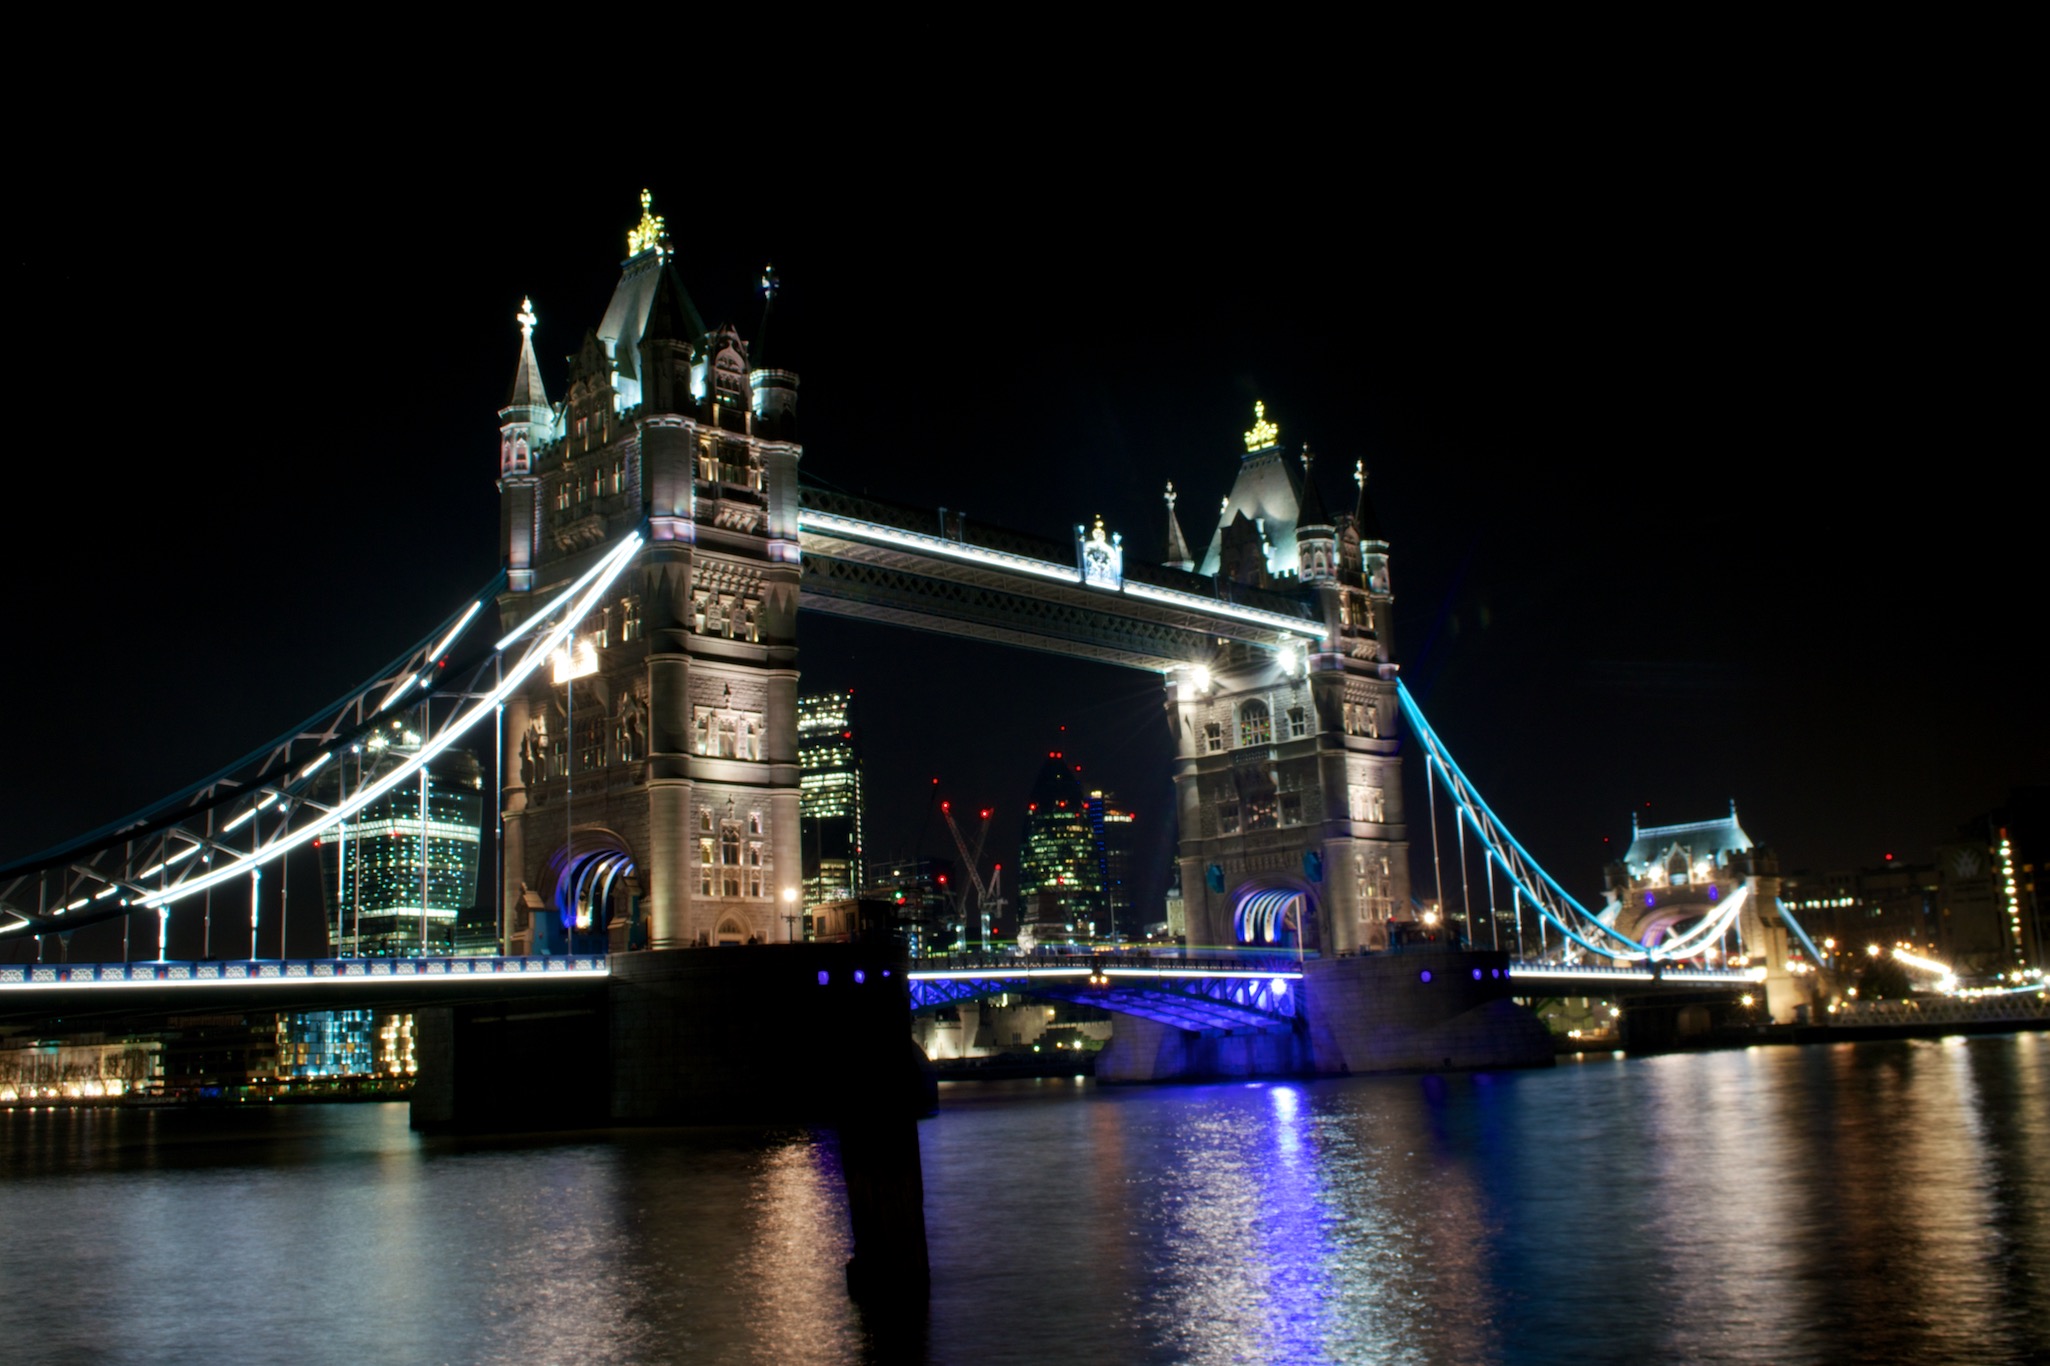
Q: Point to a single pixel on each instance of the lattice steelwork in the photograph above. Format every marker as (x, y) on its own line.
(227, 828)
(1207, 999)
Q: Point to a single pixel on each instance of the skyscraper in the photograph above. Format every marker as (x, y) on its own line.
(1061, 868)
(829, 767)
(1111, 825)
(408, 861)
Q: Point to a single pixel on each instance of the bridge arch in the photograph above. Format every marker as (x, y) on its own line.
(1271, 912)
(593, 879)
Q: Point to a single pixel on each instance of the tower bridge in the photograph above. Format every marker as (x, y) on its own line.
(638, 688)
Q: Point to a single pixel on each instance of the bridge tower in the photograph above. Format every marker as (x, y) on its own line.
(1676, 876)
(651, 783)
(1288, 770)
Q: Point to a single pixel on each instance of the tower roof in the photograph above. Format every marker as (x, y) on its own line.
(1702, 839)
(1312, 513)
(527, 389)
(1177, 544)
(1364, 518)
(1266, 491)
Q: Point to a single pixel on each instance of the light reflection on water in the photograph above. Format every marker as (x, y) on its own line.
(1886, 1202)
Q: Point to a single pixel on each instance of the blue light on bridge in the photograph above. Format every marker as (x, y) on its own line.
(1424, 976)
(859, 977)
(824, 977)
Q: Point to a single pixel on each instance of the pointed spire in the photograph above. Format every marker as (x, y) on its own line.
(527, 389)
(1364, 518)
(1312, 508)
(1178, 555)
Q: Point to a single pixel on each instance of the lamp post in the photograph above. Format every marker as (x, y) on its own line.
(789, 915)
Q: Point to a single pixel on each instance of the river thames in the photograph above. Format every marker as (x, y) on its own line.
(1885, 1202)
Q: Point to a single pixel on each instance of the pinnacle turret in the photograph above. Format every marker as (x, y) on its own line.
(524, 420)
(1178, 556)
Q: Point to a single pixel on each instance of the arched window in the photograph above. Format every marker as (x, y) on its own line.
(1298, 723)
(1256, 727)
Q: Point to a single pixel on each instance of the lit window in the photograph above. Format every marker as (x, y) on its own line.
(1255, 726)
(1213, 737)
(1298, 723)
(1228, 817)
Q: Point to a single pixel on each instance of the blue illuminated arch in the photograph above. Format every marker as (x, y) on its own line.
(1269, 916)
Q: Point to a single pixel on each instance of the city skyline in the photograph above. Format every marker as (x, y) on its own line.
(1622, 575)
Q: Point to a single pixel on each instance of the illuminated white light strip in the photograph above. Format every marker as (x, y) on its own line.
(245, 817)
(537, 654)
(268, 798)
(1189, 973)
(187, 852)
(974, 974)
(937, 545)
(470, 979)
(1197, 603)
(454, 631)
(1688, 944)
(76, 904)
(1598, 974)
(535, 620)
(1916, 960)
(310, 768)
(103, 895)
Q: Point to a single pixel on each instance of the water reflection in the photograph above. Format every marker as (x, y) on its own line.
(1869, 1202)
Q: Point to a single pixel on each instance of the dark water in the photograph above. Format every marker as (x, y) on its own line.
(1873, 1202)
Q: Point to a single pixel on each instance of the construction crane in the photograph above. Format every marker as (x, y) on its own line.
(989, 900)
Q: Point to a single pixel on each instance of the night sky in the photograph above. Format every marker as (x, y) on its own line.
(1699, 465)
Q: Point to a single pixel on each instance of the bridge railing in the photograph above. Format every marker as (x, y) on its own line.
(1113, 963)
(297, 970)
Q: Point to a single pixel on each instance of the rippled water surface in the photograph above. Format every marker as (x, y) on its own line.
(1871, 1202)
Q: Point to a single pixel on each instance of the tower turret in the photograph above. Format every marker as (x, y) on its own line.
(1373, 541)
(1316, 534)
(773, 392)
(667, 347)
(1178, 556)
(524, 423)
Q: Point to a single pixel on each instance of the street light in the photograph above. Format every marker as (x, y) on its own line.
(789, 915)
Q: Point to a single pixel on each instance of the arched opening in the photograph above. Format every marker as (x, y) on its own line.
(730, 931)
(595, 882)
(1271, 917)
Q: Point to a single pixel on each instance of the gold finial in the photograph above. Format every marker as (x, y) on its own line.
(1264, 432)
(526, 319)
(1359, 473)
(647, 233)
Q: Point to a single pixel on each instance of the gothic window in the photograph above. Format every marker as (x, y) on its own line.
(1255, 726)
(715, 616)
(754, 869)
(708, 466)
(1228, 817)
(1370, 717)
(704, 822)
(629, 619)
(754, 827)
(706, 857)
(1213, 737)
(562, 496)
(729, 858)
(1260, 810)
(619, 475)
(1298, 723)
(1291, 808)
(704, 729)
(697, 613)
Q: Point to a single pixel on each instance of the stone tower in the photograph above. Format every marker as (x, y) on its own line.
(651, 781)
(1288, 771)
